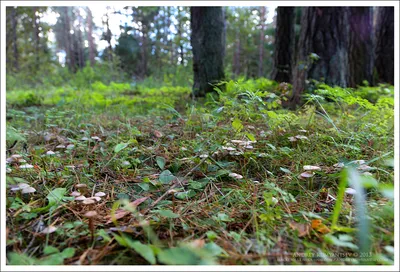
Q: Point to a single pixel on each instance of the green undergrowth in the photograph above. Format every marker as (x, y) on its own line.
(216, 181)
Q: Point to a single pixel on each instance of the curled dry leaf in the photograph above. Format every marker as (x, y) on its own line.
(317, 225)
(157, 133)
(303, 229)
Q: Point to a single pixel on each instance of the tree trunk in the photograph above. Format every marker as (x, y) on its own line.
(236, 56)
(208, 43)
(384, 50)
(284, 44)
(14, 38)
(324, 32)
(70, 57)
(261, 46)
(361, 53)
(90, 36)
(36, 33)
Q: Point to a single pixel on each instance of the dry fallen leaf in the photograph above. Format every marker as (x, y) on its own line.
(121, 213)
(317, 225)
(302, 228)
(157, 133)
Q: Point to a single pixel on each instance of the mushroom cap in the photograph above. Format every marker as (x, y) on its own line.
(88, 201)
(350, 191)
(28, 190)
(100, 194)
(306, 174)
(97, 198)
(90, 214)
(49, 229)
(311, 168)
(81, 185)
(75, 193)
(80, 198)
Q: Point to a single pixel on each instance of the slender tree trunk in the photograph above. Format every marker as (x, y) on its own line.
(81, 60)
(69, 46)
(208, 43)
(236, 56)
(36, 33)
(361, 49)
(324, 32)
(90, 36)
(284, 44)
(14, 38)
(261, 46)
(384, 50)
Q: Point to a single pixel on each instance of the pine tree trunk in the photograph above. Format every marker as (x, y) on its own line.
(236, 56)
(361, 53)
(261, 46)
(36, 33)
(90, 36)
(284, 44)
(208, 43)
(384, 50)
(14, 38)
(324, 32)
(70, 57)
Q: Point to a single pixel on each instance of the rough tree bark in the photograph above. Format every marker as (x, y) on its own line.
(284, 44)
(90, 36)
(36, 33)
(261, 46)
(384, 50)
(208, 43)
(14, 37)
(325, 32)
(361, 48)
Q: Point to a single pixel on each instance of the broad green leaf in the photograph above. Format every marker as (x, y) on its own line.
(68, 252)
(120, 146)
(213, 249)
(56, 196)
(237, 124)
(144, 250)
(250, 136)
(339, 243)
(166, 177)
(186, 194)
(160, 162)
(167, 213)
(144, 186)
(50, 250)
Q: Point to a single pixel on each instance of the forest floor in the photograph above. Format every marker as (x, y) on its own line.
(236, 180)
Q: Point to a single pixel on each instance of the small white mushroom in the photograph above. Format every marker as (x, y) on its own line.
(301, 137)
(350, 191)
(249, 147)
(85, 139)
(339, 165)
(365, 167)
(26, 166)
(75, 193)
(235, 176)
(203, 156)
(88, 201)
(28, 190)
(96, 138)
(60, 147)
(292, 139)
(311, 168)
(49, 229)
(50, 153)
(70, 146)
(306, 175)
(80, 198)
(23, 185)
(97, 198)
(100, 194)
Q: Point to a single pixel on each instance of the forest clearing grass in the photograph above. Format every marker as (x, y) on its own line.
(236, 179)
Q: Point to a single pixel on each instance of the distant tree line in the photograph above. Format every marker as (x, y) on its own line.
(343, 46)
